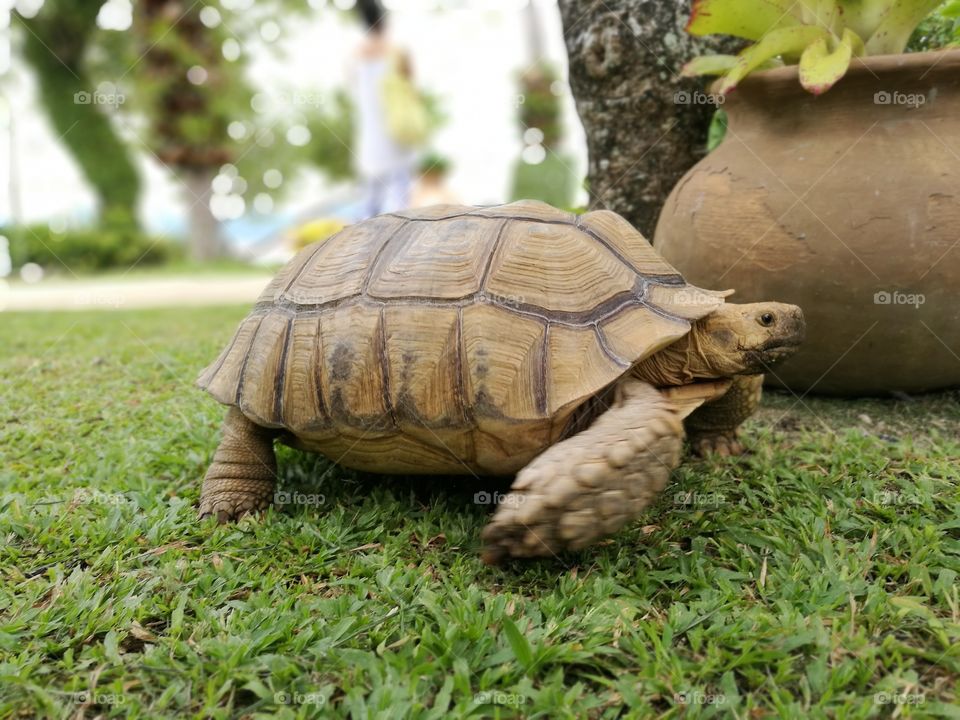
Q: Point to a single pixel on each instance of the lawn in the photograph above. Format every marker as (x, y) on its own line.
(817, 577)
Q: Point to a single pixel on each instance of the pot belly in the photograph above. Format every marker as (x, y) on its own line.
(856, 219)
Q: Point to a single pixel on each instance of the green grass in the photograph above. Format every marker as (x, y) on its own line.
(817, 577)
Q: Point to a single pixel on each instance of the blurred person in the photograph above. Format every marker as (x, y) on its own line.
(391, 117)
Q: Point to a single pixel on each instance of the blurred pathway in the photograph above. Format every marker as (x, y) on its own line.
(123, 294)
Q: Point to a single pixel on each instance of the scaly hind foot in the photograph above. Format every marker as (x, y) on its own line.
(242, 477)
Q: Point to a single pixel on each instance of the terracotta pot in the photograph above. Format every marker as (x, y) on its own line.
(847, 204)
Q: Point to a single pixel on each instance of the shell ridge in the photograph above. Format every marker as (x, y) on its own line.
(543, 382)
(616, 253)
(303, 268)
(602, 341)
(494, 249)
(378, 258)
(381, 351)
(278, 386)
(246, 358)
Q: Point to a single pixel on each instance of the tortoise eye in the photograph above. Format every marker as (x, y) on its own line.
(766, 319)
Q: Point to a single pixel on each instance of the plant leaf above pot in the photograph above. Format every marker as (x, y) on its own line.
(782, 42)
(748, 19)
(892, 31)
(822, 35)
(820, 67)
(709, 65)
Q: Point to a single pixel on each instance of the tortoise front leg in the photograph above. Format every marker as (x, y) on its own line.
(590, 485)
(714, 427)
(243, 473)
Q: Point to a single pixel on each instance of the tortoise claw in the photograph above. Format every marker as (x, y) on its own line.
(720, 444)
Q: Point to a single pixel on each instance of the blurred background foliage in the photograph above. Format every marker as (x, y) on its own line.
(542, 173)
(115, 244)
(941, 29)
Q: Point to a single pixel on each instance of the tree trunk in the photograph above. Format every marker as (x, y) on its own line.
(204, 236)
(643, 132)
(54, 45)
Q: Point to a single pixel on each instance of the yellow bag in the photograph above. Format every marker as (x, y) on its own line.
(407, 120)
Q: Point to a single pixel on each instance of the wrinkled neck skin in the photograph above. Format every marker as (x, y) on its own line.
(695, 356)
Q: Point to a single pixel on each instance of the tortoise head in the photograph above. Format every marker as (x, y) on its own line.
(744, 339)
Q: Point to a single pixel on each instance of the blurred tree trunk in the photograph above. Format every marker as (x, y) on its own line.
(188, 118)
(625, 61)
(55, 42)
(204, 237)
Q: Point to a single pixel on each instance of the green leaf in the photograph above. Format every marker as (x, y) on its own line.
(111, 647)
(820, 68)
(897, 25)
(709, 65)
(951, 10)
(822, 13)
(518, 643)
(750, 19)
(779, 42)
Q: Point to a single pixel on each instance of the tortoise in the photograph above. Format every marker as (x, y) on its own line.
(491, 341)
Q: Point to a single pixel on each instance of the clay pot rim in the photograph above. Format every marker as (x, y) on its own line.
(946, 59)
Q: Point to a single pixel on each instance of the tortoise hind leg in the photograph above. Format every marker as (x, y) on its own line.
(243, 473)
(591, 484)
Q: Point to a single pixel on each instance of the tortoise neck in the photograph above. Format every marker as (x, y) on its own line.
(680, 363)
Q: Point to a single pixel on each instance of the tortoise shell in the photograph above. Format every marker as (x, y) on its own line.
(451, 339)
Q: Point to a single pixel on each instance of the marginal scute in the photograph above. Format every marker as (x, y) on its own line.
(303, 406)
(637, 332)
(442, 260)
(338, 266)
(424, 373)
(263, 367)
(627, 242)
(686, 301)
(503, 360)
(555, 267)
(352, 377)
(577, 367)
(222, 378)
(372, 452)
